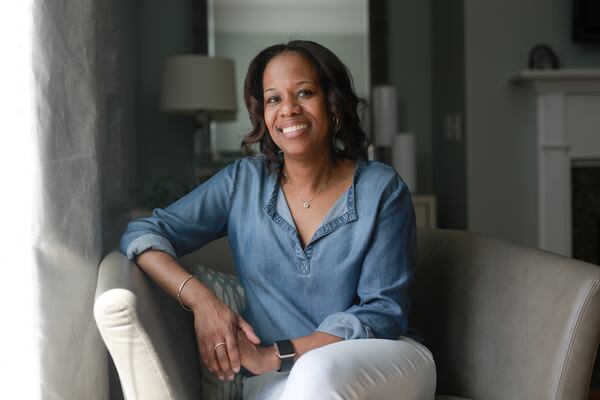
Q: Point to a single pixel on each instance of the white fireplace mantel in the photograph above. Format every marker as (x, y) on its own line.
(568, 128)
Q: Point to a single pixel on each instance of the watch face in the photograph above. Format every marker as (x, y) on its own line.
(284, 348)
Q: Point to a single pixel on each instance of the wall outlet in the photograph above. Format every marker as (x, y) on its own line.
(453, 127)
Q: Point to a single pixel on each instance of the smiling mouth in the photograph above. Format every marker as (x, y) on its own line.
(294, 129)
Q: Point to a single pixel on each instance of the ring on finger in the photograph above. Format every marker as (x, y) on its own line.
(219, 344)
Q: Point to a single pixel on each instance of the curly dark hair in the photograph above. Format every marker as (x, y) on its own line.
(349, 140)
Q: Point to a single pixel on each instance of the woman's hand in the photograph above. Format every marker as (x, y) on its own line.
(215, 323)
(256, 359)
(259, 360)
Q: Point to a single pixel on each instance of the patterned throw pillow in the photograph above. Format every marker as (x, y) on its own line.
(227, 288)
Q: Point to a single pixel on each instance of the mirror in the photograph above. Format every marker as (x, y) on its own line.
(239, 29)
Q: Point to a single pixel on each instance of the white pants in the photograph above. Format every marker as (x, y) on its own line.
(364, 369)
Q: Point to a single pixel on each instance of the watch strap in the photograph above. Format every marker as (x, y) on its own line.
(286, 353)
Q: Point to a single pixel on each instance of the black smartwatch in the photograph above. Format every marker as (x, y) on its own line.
(286, 353)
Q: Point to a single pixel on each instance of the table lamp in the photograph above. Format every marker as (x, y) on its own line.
(202, 86)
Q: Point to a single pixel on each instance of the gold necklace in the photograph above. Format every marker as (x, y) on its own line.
(306, 203)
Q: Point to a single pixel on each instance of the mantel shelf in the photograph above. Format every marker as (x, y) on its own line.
(560, 80)
(557, 75)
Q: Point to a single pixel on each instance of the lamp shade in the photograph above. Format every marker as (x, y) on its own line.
(193, 83)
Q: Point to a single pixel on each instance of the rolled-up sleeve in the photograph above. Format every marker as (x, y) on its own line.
(345, 325)
(186, 225)
(383, 301)
(147, 242)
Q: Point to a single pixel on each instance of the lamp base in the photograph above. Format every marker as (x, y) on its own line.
(202, 146)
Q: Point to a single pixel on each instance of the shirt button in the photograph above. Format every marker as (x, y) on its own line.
(304, 267)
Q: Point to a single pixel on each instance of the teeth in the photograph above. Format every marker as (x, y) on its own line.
(294, 128)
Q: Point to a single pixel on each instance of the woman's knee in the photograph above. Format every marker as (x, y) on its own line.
(312, 376)
(363, 370)
(314, 366)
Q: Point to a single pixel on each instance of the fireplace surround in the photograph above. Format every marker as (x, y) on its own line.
(568, 130)
(585, 212)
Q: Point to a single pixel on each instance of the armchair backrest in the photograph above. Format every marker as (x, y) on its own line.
(504, 321)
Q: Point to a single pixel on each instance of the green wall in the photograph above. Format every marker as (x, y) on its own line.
(501, 127)
(163, 142)
(410, 72)
(455, 56)
(448, 156)
(458, 57)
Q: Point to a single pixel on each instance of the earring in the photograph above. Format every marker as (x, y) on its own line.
(335, 120)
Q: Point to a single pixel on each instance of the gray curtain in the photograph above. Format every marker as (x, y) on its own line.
(81, 134)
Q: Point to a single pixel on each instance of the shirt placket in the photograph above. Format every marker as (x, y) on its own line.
(304, 255)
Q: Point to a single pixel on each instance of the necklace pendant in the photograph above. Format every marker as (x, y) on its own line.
(306, 204)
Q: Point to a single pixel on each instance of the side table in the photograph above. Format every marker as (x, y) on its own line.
(425, 210)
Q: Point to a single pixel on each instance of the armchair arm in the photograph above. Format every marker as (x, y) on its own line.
(148, 335)
(504, 321)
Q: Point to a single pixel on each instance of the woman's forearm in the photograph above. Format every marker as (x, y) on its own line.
(215, 324)
(264, 359)
(314, 340)
(168, 274)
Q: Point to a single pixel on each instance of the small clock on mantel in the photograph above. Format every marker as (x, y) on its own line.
(542, 56)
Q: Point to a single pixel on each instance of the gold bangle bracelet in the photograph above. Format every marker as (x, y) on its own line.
(190, 276)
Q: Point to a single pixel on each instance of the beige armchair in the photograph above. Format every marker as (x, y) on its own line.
(502, 321)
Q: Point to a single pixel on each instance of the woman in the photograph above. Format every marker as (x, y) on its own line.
(324, 244)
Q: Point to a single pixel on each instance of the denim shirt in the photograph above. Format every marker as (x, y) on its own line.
(351, 280)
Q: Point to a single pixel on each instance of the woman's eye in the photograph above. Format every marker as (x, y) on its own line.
(304, 93)
(272, 99)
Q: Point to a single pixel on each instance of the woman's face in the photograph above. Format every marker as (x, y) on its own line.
(295, 109)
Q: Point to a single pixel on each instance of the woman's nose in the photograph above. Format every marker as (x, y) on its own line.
(289, 107)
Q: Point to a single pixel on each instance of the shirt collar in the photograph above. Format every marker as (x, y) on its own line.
(327, 226)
